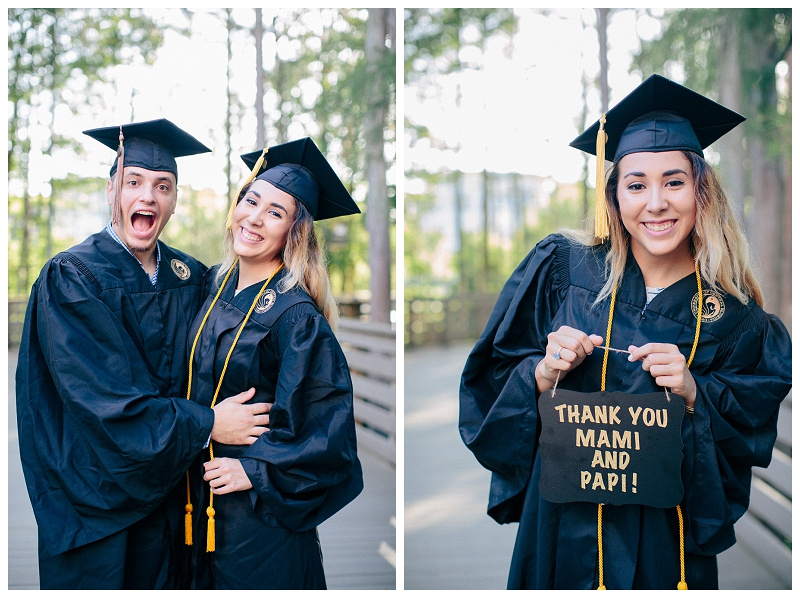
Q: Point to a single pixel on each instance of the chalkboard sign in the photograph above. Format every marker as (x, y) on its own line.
(611, 448)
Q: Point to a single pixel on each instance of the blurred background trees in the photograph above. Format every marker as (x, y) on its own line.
(314, 74)
(488, 217)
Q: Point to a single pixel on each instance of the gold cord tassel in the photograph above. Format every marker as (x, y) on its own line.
(211, 535)
(682, 583)
(116, 211)
(253, 174)
(211, 538)
(600, 208)
(187, 518)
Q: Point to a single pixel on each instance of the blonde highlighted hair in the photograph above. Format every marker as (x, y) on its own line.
(304, 260)
(717, 240)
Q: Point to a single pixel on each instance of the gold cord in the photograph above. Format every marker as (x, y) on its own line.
(601, 585)
(699, 314)
(608, 338)
(682, 584)
(211, 536)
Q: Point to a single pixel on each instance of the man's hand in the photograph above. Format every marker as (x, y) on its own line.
(236, 423)
(226, 475)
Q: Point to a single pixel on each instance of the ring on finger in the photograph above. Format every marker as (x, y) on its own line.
(557, 353)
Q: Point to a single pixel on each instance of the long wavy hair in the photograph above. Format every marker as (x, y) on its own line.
(717, 240)
(304, 260)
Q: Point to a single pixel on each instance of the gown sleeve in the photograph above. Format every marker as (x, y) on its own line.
(99, 426)
(734, 427)
(498, 417)
(305, 467)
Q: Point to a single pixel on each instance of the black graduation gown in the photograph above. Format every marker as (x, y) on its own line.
(742, 369)
(105, 430)
(304, 469)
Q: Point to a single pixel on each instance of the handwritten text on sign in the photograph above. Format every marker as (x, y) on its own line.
(611, 447)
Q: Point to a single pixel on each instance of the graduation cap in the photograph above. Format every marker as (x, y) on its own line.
(300, 169)
(153, 144)
(658, 116)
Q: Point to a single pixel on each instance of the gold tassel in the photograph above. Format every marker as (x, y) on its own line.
(116, 211)
(211, 538)
(682, 583)
(187, 519)
(211, 535)
(600, 208)
(253, 174)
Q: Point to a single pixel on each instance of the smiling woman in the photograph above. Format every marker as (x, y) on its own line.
(674, 314)
(657, 205)
(261, 223)
(267, 327)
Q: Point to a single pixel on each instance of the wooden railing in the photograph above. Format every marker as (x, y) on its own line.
(16, 316)
(371, 350)
(766, 527)
(443, 321)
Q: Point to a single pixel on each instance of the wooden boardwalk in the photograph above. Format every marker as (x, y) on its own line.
(449, 541)
(358, 543)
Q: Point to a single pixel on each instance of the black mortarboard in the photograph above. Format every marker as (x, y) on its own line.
(153, 144)
(300, 169)
(658, 116)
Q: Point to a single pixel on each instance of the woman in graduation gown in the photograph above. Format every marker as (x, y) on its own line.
(268, 325)
(669, 229)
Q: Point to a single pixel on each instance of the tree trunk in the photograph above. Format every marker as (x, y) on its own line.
(764, 221)
(602, 38)
(50, 211)
(464, 279)
(377, 216)
(228, 165)
(786, 253)
(277, 82)
(519, 203)
(485, 245)
(258, 33)
(731, 146)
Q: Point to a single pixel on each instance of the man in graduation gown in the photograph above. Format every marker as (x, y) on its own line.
(105, 430)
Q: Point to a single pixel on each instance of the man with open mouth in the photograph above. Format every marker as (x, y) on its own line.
(105, 430)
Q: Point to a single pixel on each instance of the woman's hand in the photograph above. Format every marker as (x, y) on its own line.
(668, 366)
(566, 349)
(226, 475)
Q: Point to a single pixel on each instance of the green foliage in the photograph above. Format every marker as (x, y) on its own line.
(694, 39)
(559, 214)
(60, 57)
(434, 36)
(56, 54)
(421, 246)
(737, 52)
(331, 62)
(197, 226)
(76, 195)
(435, 42)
